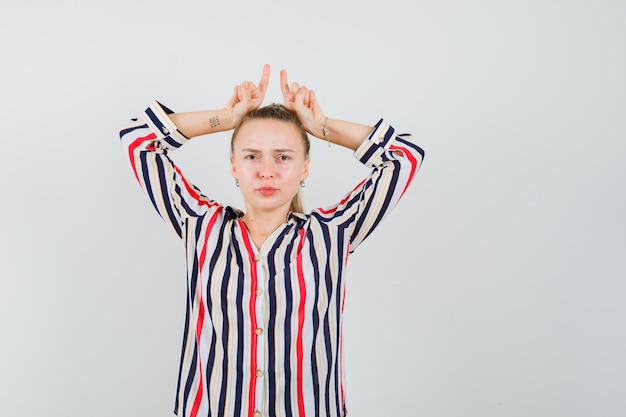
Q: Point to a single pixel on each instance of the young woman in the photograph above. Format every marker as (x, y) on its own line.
(266, 286)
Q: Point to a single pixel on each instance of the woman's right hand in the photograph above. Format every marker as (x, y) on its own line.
(247, 97)
(302, 101)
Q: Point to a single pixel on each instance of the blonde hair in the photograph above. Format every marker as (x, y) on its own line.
(278, 112)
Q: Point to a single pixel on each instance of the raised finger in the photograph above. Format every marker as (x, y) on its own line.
(245, 90)
(284, 85)
(265, 76)
(302, 95)
(308, 98)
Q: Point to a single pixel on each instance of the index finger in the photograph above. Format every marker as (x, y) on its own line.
(284, 86)
(264, 78)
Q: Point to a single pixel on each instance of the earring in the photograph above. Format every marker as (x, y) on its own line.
(302, 184)
(237, 183)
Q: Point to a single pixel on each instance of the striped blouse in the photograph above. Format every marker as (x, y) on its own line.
(263, 327)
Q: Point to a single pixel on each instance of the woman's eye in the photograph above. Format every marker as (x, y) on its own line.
(251, 157)
(283, 157)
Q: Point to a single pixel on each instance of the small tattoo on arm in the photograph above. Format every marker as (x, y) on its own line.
(215, 121)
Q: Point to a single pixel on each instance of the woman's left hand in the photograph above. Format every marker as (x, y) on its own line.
(302, 101)
(247, 97)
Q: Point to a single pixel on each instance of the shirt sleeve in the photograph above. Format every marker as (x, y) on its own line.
(147, 141)
(394, 160)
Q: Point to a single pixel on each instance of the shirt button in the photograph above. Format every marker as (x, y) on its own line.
(258, 291)
(257, 258)
(165, 131)
(257, 413)
(259, 373)
(259, 331)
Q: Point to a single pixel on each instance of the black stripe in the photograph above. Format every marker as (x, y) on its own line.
(194, 272)
(289, 342)
(341, 241)
(210, 364)
(340, 210)
(192, 373)
(182, 356)
(271, 334)
(389, 196)
(172, 142)
(126, 131)
(155, 119)
(410, 144)
(369, 154)
(328, 280)
(271, 324)
(393, 183)
(225, 332)
(166, 196)
(183, 201)
(143, 156)
(241, 282)
(316, 317)
(388, 136)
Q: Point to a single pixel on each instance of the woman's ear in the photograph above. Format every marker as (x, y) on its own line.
(233, 168)
(305, 171)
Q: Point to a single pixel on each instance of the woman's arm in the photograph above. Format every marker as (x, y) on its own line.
(393, 158)
(246, 97)
(302, 101)
(146, 142)
(148, 139)
(202, 122)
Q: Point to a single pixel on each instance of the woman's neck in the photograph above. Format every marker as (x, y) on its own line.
(262, 224)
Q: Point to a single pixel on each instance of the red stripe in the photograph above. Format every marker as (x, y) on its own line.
(206, 238)
(131, 151)
(301, 311)
(191, 190)
(200, 323)
(138, 142)
(253, 324)
(411, 159)
(343, 304)
(334, 209)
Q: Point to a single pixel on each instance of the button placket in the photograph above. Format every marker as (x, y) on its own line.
(260, 331)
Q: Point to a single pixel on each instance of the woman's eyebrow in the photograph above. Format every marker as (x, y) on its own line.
(254, 150)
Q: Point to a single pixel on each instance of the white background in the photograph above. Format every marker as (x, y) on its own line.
(497, 286)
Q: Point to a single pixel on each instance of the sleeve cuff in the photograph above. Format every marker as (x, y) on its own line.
(370, 151)
(157, 118)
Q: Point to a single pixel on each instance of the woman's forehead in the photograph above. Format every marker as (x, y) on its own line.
(268, 134)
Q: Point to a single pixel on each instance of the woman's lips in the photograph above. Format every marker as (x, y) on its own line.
(267, 190)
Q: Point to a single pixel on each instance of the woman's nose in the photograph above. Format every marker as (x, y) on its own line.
(267, 169)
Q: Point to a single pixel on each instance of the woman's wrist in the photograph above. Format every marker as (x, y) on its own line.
(320, 128)
(341, 132)
(223, 120)
(203, 122)
(326, 131)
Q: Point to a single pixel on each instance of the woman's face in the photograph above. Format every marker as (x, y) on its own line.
(269, 162)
